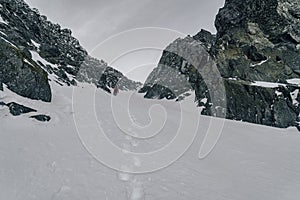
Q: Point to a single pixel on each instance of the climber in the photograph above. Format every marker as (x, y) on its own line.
(116, 90)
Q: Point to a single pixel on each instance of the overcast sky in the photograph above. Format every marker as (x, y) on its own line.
(93, 21)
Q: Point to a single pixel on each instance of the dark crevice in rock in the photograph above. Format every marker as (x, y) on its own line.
(253, 54)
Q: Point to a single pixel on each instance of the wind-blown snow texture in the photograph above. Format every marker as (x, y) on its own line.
(48, 161)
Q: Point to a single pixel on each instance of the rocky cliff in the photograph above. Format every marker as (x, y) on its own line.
(256, 52)
(34, 51)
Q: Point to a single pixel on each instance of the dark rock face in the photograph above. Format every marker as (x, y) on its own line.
(23, 28)
(22, 75)
(173, 72)
(111, 77)
(263, 31)
(103, 76)
(159, 92)
(17, 109)
(25, 25)
(205, 37)
(31, 48)
(1, 85)
(275, 18)
(42, 118)
(257, 42)
(261, 105)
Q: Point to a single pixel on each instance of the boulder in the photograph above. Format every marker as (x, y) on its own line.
(42, 118)
(17, 109)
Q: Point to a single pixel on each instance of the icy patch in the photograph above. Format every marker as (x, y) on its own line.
(204, 100)
(294, 96)
(278, 93)
(267, 84)
(9, 42)
(258, 64)
(3, 33)
(35, 44)
(37, 57)
(2, 21)
(69, 75)
(295, 81)
(26, 61)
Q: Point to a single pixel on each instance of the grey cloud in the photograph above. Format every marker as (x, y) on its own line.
(94, 20)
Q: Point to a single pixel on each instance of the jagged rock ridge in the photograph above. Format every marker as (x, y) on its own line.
(34, 50)
(257, 43)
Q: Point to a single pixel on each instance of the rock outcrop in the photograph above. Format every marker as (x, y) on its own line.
(21, 74)
(103, 76)
(17, 109)
(32, 48)
(257, 53)
(41, 118)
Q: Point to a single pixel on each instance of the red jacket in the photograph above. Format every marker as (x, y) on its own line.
(116, 90)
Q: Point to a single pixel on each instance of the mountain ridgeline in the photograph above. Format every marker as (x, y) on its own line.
(249, 70)
(256, 52)
(34, 51)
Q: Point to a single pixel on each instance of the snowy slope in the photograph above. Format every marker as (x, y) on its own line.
(49, 161)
